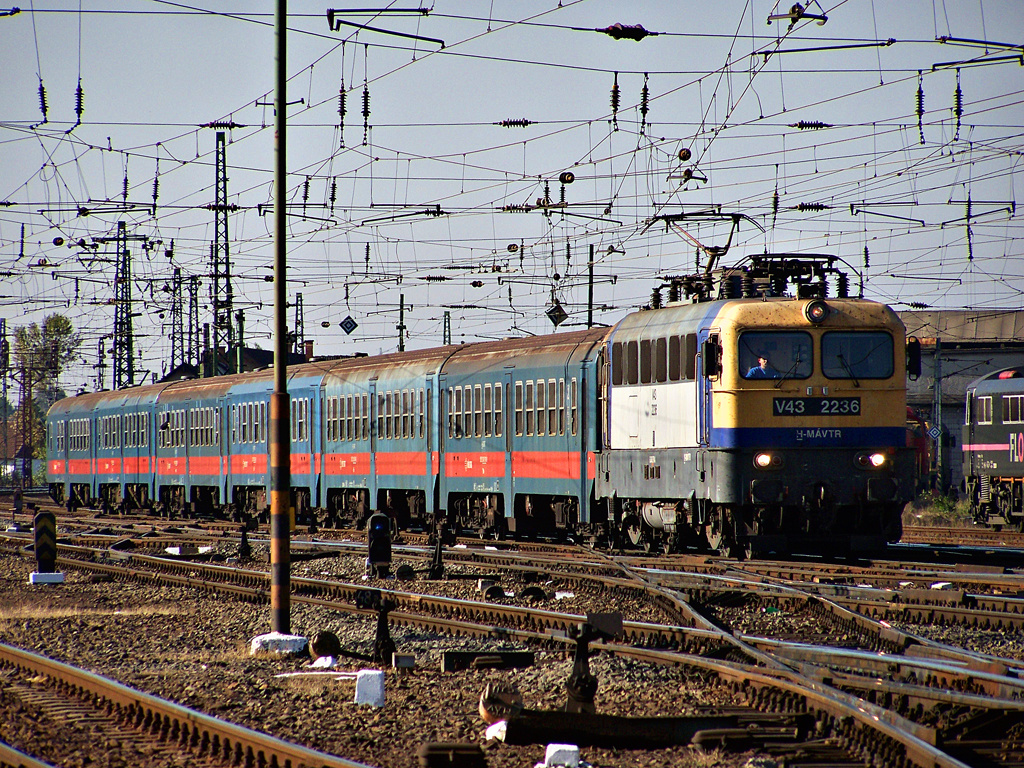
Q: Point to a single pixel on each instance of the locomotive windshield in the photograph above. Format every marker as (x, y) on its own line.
(866, 355)
(775, 355)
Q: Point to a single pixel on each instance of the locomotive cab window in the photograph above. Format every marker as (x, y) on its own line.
(857, 355)
(776, 355)
(984, 410)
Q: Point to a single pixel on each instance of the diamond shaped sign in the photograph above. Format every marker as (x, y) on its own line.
(934, 432)
(556, 314)
(348, 325)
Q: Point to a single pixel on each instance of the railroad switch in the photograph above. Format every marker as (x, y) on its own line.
(383, 646)
(436, 571)
(244, 547)
(581, 687)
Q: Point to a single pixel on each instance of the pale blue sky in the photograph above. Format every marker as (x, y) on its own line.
(150, 78)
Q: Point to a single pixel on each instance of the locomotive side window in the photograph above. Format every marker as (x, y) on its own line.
(1013, 409)
(645, 361)
(985, 410)
(689, 356)
(617, 363)
(853, 355)
(661, 360)
(632, 363)
(785, 354)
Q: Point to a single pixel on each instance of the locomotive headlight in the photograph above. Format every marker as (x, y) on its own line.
(871, 460)
(816, 311)
(768, 461)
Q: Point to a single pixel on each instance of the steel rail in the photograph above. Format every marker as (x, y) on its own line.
(914, 742)
(190, 728)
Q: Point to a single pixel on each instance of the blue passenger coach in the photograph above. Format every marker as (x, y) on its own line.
(751, 412)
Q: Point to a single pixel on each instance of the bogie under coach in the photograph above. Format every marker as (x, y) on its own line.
(993, 448)
(734, 418)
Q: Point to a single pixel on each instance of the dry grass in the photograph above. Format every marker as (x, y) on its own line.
(935, 509)
(26, 612)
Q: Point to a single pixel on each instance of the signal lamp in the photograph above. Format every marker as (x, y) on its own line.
(816, 311)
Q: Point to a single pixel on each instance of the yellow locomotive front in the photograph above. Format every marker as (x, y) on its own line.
(804, 418)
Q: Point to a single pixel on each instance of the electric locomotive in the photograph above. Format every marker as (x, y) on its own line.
(751, 412)
(993, 448)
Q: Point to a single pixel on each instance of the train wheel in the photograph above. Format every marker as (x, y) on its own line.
(634, 531)
(714, 532)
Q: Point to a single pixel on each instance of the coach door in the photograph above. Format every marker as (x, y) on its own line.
(508, 424)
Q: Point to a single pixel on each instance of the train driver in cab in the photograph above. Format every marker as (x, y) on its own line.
(763, 369)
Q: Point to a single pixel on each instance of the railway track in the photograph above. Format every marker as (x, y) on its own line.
(145, 730)
(918, 701)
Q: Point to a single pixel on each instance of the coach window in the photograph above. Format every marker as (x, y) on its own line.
(528, 407)
(561, 406)
(984, 410)
(519, 407)
(499, 411)
(857, 355)
(422, 413)
(396, 414)
(573, 411)
(478, 410)
(391, 415)
(1013, 413)
(553, 407)
(541, 417)
(488, 411)
(467, 411)
(632, 364)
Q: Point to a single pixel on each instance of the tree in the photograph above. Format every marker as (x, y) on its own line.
(44, 351)
(41, 353)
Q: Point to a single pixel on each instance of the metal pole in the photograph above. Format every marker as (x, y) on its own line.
(280, 447)
(401, 323)
(940, 454)
(590, 288)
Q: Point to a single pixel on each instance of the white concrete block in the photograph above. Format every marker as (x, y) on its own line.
(323, 662)
(562, 755)
(46, 578)
(370, 687)
(275, 642)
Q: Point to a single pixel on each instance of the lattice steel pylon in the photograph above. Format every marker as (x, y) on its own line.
(124, 337)
(195, 341)
(299, 343)
(177, 322)
(221, 294)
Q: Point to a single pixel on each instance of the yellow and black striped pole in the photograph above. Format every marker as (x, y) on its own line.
(280, 437)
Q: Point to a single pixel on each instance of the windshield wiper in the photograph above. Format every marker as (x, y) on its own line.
(786, 375)
(846, 367)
